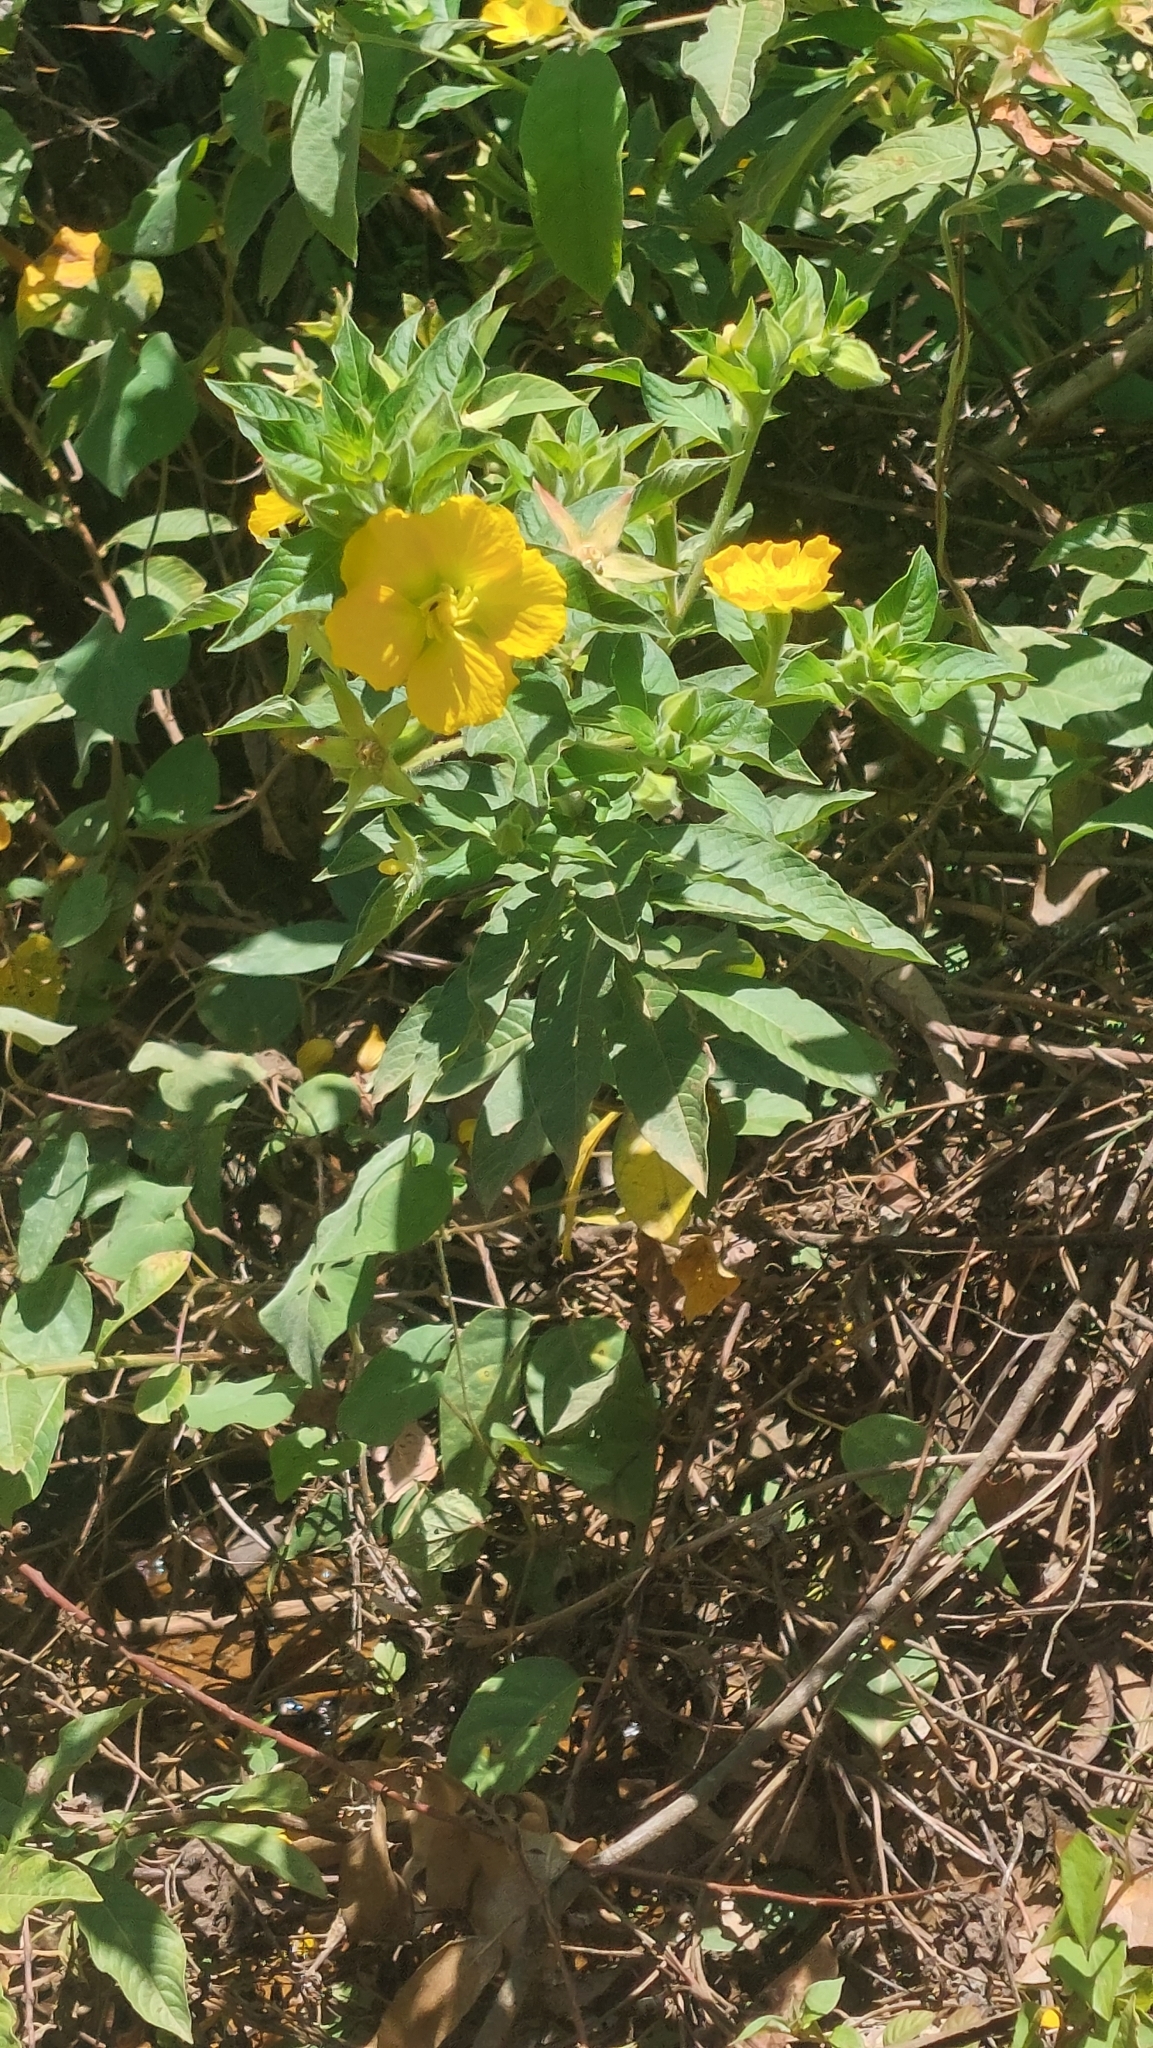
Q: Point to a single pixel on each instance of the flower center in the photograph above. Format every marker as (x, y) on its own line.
(447, 612)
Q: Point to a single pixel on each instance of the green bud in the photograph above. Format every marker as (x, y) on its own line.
(656, 795)
(852, 366)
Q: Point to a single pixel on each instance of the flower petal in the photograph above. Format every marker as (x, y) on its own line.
(524, 613)
(388, 550)
(375, 634)
(471, 543)
(457, 682)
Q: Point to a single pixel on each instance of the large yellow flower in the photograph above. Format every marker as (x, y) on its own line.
(775, 575)
(71, 261)
(443, 603)
(521, 21)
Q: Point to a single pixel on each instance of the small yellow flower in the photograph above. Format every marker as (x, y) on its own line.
(314, 1056)
(270, 512)
(775, 575)
(69, 263)
(442, 603)
(521, 21)
(1048, 2019)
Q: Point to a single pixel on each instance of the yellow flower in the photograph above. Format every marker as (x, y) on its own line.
(775, 575)
(521, 21)
(270, 512)
(69, 263)
(442, 603)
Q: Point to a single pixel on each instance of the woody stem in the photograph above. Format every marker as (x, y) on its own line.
(730, 496)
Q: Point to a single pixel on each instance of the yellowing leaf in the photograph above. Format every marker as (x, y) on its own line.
(314, 1056)
(653, 1194)
(371, 1051)
(32, 979)
(705, 1280)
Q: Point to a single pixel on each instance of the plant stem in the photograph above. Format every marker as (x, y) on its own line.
(728, 504)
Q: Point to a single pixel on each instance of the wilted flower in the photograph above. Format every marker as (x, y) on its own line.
(775, 575)
(442, 603)
(521, 21)
(70, 262)
(270, 511)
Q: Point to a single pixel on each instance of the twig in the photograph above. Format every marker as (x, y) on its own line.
(867, 1619)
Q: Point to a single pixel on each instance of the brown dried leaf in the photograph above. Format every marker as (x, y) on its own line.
(435, 2000)
(375, 1903)
(706, 1281)
(786, 1994)
(411, 1461)
(1132, 1911)
(1096, 1719)
(1135, 1695)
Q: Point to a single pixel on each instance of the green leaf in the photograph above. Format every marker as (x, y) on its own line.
(563, 1065)
(144, 407)
(307, 1454)
(397, 1201)
(480, 1386)
(327, 1102)
(150, 1219)
(397, 1385)
(872, 1696)
(723, 870)
(161, 1393)
(249, 1015)
(269, 1792)
(51, 1196)
(30, 1878)
(259, 1403)
(106, 676)
(723, 61)
(1085, 1875)
(137, 1945)
(326, 118)
(316, 1305)
(160, 529)
(179, 791)
(169, 215)
(515, 395)
(801, 1035)
(301, 574)
(913, 164)
(437, 1535)
(570, 1370)
(197, 1081)
(83, 908)
(266, 1847)
(1077, 678)
(572, 138)
(8, 2023)
(152, 1276)
(294, 949)
(610, 1450)
(48, 1321)
(15, 164)
(31, 1410)
(883, 1440)
(661, 1071)
(512, 1724)
(1132, 812)
(22, 1024)
(77, 1746)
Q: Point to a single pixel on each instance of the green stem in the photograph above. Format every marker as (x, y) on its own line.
(730, 497)
(195, 25)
